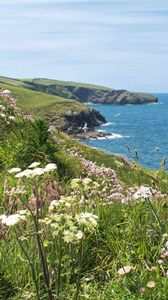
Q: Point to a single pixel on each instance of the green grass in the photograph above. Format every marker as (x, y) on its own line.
(48, 82)
(41, 104)
(15, 82)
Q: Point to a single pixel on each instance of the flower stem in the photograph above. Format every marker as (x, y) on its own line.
(31, 265)
(80, 268)
(41, 248)
(155, 214)
(59, 266)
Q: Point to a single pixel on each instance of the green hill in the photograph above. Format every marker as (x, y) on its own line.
(37, 102)
(82, 92)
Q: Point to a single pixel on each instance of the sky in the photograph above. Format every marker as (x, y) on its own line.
(121, 44)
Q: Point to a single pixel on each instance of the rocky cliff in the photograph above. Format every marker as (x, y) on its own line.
(73, 122)
(61, 103)
(84, 93)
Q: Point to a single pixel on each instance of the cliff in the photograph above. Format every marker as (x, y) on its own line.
(89, 93)
(62, 103)
(65, 114)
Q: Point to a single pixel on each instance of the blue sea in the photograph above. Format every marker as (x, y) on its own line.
(141, 127)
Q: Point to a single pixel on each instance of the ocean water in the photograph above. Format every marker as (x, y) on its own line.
(141, 127)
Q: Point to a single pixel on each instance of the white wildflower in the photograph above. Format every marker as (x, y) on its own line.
(75, 183)
(34, 165)
(12, 118)
(160, 261)
(67, 204)
(7, 92)
(10, 220)
(125, 270)
(72, 235)
(2, 107)
(88, 220)
(79, 235)
(50, 167)
(166, 244)
(23, 212)
(30, 173)
(14, 170)
(143, 193)
(53, 205)
(87, 181)
(68, 236)
(37, 172)
(151, 284)
(2, 115)
(25, 173)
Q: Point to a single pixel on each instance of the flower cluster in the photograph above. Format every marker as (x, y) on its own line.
(88, 220)
(125, 270)
(72, 235)
(109, 188)
(33, 170)
(7, 118)
(64, 220)
(143, 193)
(8, 96)
(93, 169)
(2, 107)
(10, 220)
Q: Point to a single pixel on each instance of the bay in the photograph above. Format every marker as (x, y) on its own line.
(141, 127)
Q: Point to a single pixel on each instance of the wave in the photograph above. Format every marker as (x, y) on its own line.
(108, 124)
(117, 136)
(91, 103)
(111, 137)
(117, 115)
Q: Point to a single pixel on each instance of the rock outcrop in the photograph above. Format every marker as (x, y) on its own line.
(78, 122)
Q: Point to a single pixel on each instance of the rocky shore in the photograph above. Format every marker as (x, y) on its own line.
(78, 123)
(92, 135)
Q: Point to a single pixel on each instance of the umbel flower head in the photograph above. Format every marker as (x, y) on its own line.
(14, 170)
(34, 165)
(33, 170)
(72, 235)
(88, 220)
(12, 219)
(143, 193)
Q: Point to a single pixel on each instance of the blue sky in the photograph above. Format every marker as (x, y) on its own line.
(116, 43)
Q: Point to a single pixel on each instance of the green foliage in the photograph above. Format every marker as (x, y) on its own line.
(28, 140)
(68, 166)
(7, 290)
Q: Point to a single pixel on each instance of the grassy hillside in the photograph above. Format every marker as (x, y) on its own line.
(39, 103)
(48, 82)
(81, 92)
(77, 231)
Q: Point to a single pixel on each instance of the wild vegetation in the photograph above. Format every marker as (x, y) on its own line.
(75, 222)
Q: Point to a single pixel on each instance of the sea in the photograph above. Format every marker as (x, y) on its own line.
(141, 128)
